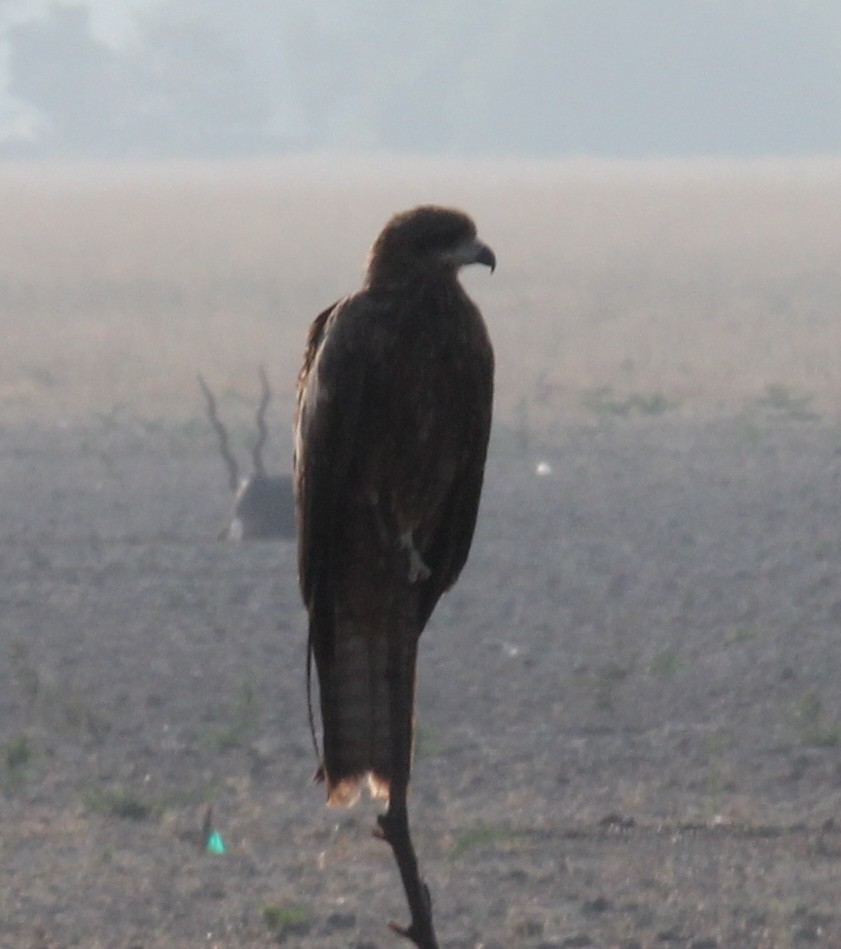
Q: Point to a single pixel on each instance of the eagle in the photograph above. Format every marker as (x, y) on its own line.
(391, 434)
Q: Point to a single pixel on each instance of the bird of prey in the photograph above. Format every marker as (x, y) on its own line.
(391, 434)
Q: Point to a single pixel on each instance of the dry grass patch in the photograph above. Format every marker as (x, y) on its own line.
(693, 284)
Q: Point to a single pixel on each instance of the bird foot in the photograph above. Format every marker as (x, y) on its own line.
(418, 570)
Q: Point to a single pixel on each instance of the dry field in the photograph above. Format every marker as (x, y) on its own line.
(704, 283)
(629, 714)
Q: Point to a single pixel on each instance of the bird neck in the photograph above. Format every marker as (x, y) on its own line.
(404, 277)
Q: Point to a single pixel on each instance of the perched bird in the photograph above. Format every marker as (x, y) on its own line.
(391, 435)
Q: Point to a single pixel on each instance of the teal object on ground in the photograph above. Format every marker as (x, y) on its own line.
(215, 844)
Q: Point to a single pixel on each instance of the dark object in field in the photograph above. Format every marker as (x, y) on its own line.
(394, 412)
(264, 506)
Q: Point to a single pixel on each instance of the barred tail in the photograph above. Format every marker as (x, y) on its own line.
(356, 711)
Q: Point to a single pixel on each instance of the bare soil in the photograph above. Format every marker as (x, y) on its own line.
(629, 720)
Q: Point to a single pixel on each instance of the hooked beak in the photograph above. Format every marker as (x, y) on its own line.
(473, 252)
(485, 256)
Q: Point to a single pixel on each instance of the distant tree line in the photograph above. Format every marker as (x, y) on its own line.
(537, 77)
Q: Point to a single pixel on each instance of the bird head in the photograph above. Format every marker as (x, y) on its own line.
(424, 241)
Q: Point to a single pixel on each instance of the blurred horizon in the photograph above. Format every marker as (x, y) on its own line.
(136, 80)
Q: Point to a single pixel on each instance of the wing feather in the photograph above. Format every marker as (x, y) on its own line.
(331, 393)
(451, 543)
(329, 398)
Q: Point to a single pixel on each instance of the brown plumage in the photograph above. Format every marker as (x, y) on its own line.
(394, 413)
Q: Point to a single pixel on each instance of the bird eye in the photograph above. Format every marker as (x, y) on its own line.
(442, 235)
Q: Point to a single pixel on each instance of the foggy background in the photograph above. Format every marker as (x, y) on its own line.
(630, 706)
(541, 78)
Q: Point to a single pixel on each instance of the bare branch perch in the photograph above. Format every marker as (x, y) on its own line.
(393, 827)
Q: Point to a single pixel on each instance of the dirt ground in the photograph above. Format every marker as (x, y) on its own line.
(629, 721)
(628, 708)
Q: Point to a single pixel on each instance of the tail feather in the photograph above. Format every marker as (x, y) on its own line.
(356, 712)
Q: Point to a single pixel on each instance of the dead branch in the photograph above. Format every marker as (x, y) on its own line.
(394, 824)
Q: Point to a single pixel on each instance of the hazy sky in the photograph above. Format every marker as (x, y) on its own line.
(143, 78)
(112, 20)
